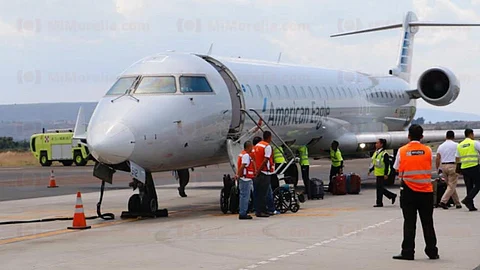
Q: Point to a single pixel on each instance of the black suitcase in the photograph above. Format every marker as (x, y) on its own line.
(316, 190)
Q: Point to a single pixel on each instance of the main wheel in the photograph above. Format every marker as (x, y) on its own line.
(44, 160)
(78, 159)
(223, 201)
(150, 205)
(134, 204)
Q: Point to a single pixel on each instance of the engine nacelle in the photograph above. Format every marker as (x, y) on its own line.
(438, 86)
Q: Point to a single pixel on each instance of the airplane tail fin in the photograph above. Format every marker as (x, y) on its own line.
(410, 27)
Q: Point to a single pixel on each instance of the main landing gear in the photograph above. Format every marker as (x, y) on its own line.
(145, 203)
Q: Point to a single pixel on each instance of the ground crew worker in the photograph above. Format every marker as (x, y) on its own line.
(305, 167)
(445, 160)
(337, 162)
(183, 179)
(264, 166)
(380, 167)
(279, 160)
(245, 174)
(414, 165)
(467, 154)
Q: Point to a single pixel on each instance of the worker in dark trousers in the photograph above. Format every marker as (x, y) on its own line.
(183, 179)
(414, 165)
(467, 154)
(380, 167)
(305, 167)
(337, 163)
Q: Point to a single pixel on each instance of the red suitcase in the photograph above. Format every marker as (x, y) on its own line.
(339, 185)
(354, 183)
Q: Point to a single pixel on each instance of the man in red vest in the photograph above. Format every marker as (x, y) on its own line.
(245, 174)
(265, 168)
(414, 166)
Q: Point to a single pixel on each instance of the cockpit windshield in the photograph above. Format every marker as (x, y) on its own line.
(160, 84)
(121, 86)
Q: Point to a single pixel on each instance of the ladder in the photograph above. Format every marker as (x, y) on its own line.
(235, 146)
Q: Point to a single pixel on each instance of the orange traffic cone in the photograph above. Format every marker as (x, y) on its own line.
(79, 222)
(53, 184)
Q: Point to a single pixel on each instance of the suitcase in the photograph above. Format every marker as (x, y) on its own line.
(353, 183)
(315, 189)
(339, 184)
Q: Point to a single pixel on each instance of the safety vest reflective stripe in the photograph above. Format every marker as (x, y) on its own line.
(335, 157)
(416, 172)
(424, 180)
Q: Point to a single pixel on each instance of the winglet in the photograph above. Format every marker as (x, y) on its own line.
(80, 131)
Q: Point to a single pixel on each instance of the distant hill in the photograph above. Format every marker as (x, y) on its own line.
(432, 115)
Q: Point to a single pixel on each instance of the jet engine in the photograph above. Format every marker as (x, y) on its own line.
(438, 86)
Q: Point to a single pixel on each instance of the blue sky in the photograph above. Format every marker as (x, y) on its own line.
(65, 51)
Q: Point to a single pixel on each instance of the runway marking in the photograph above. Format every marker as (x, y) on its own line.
(58, 232)
(309, 247)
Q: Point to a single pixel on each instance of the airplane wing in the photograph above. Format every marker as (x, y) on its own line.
(396, 139)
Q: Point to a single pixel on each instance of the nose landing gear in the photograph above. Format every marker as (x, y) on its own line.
(145, 203)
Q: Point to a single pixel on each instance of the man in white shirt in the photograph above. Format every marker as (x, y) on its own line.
(246, 173)
(445, 160)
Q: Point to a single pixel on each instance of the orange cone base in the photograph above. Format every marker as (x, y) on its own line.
(79, 228)
(52, 186)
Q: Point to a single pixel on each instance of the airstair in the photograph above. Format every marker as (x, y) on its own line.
(235, 143)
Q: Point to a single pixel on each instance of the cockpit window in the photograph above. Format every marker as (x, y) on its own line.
(121, 86)
(160, 84)
(190, 84)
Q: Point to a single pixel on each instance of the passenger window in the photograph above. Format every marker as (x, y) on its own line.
(277, 92)
(318, 92)
(286, 91)
(121, 86)
(194, 84)
(295, 94)
(302, 92)
(310, 91)
(332, 93)
(250, 90)
(259, 91)
(156, 85)
(325, 92)
(268, 92)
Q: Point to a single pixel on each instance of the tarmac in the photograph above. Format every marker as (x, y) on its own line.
(339, 232)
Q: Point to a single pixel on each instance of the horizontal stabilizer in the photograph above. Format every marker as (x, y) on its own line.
(366, 30)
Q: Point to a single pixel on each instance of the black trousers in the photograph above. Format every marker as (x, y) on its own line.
(183, 178)
(333, 171)
(260, 185)
(471, 177)
(412, 202)
(382, 191)
(306, 177)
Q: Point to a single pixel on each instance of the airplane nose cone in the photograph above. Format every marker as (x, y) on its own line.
(111, 143)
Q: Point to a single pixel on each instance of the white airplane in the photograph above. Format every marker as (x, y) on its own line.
(174, 111)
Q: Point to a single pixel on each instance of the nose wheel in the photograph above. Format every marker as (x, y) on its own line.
(144, 204)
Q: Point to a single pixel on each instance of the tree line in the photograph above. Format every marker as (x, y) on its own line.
(7, 143)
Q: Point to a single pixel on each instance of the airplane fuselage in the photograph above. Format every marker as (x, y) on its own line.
(183, 129)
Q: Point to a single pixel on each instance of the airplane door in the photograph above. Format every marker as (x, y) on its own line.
(236, 96)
